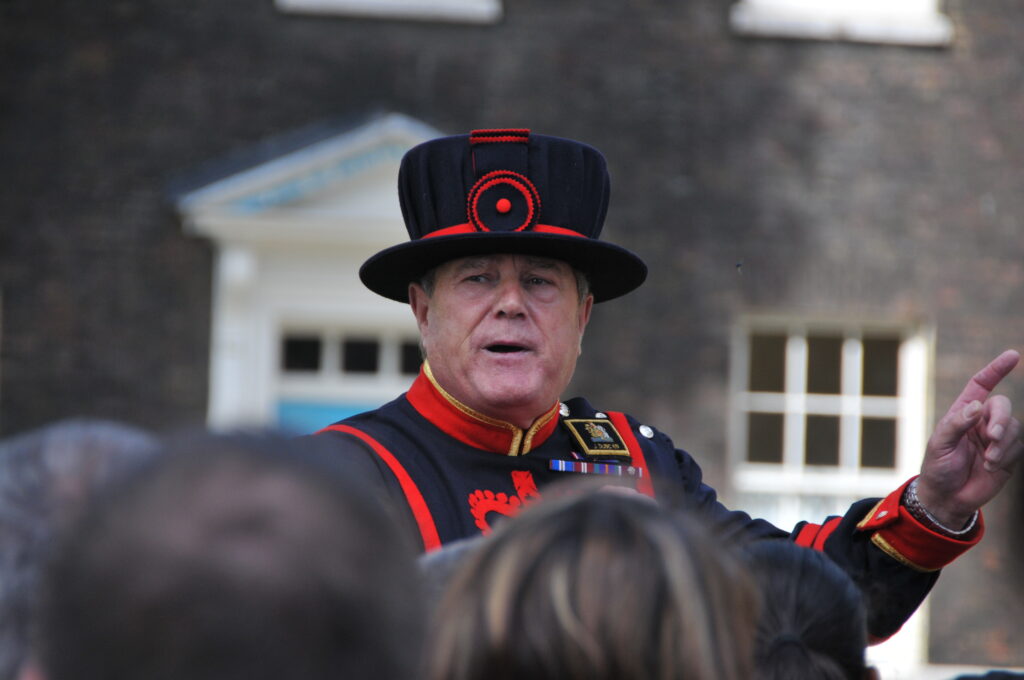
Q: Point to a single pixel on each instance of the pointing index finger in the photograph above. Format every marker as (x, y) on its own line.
(985, 380)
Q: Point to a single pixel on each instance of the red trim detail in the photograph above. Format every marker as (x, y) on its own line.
(806, 536)
(645, 484)
(521, 135)
(464, 427)
(922, 546)
(453, 230)
(520, 183)
(562, 231)
(468, 228)
(525, 486)
(912, 541)
(482, 503)
(826, 530)
(507, 138)
(420, 511)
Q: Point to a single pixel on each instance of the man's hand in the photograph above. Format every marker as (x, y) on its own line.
(972, 451)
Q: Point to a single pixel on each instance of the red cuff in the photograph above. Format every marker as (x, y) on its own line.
(901, 536)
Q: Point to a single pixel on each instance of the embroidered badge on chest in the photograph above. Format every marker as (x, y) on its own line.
(597, 438)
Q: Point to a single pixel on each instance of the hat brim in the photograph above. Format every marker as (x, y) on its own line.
(612, 270)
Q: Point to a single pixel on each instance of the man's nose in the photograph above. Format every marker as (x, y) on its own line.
(510, 301)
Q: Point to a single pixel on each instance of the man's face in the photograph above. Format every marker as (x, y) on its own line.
(502, 332)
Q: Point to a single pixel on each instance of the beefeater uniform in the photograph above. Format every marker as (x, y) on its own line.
(457, 472)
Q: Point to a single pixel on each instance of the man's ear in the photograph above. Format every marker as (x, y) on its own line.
(419, 302)
(585, 308)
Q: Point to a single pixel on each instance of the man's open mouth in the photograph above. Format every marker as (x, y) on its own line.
(505, 349)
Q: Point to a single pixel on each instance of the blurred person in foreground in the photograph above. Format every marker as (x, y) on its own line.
(46, 477)
(813, 624)
(231, 558)
(591, 583)
(502, 270)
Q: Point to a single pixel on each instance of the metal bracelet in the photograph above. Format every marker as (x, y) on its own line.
(917, 509)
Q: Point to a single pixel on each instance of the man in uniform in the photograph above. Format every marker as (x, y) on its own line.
(501, 272)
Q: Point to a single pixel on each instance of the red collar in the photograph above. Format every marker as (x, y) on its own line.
(470, 427)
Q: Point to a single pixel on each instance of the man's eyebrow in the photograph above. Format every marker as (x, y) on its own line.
(472, 263)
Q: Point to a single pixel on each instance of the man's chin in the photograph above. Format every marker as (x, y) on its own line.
(513, 402)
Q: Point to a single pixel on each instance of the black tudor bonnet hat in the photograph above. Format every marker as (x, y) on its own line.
(503, 191)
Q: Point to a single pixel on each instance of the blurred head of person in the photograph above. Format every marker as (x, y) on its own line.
(234, 556)
(591, 583)
(813, 623)
(46, 476)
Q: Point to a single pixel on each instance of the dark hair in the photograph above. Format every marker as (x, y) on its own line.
(813, 621)
(46, 476)
(234, 557)
(597, 585)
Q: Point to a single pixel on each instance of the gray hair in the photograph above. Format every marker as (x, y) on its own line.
(46, 476)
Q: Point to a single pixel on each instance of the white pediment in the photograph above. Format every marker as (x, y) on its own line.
(341, 189)
(290, 226)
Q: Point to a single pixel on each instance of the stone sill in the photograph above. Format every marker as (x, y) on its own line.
(920, 27)
(467, 11)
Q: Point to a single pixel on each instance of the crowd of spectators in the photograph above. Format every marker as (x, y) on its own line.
(246, 556)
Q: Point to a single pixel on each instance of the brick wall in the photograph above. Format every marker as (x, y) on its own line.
(877, 182)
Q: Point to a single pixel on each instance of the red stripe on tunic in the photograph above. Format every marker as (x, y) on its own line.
(420, 511)
(826, 530)
(645, 484)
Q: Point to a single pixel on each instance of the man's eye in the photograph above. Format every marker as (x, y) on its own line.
(537, 281)
(476, 278)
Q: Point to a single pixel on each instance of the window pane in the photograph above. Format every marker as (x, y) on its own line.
(764, 437)
(767, 363)
(880, 366)
(411, 357)
(824, 361)
(360, 355)
(300, 353)
(822, 440)
(878, 442)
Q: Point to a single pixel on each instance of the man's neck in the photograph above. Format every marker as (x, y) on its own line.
(475, 428)
(522, 417)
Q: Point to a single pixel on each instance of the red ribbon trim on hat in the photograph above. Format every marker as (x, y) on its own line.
(550, 228)
(468, 228)
(506, 135)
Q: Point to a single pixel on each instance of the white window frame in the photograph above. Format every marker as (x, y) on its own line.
(470, 11)
(793, 479)
(898, 22)
(330, 383)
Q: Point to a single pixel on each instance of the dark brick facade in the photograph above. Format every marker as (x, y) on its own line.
(873, 182)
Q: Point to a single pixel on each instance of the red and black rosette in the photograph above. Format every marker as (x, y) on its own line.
(503, 201)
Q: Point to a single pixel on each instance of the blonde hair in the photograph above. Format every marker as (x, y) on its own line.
(596, 585)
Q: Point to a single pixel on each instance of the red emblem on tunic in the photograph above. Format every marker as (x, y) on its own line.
(482, 503)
